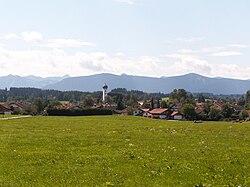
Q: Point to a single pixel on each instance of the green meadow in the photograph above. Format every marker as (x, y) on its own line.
(123, 151)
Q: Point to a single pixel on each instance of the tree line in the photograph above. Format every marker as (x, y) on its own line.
(40, 100)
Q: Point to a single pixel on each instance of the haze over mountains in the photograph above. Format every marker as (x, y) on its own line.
(191, 82)
(28, 81)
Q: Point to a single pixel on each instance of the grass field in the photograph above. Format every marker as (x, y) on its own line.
(123, 151)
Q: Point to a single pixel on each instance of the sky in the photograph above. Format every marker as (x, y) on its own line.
(137, 37)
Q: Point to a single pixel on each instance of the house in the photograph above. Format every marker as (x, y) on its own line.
(175, 107)
(218, 105)
(137, 112)
(159, 113)
(96, 106)
(17, 106)
(145, 112)
(5, 109)
(248, 113)
(200, 109)
(141, 112)
(176, 116)
(140, 103)
(237, 108)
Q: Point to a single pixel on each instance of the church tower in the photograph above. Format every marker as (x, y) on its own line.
(104, 93)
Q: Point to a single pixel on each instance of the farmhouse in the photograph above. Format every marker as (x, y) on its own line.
(5, 109)
(218, 105)
(141, 112)
(17, 106)
(159, 113)
(176, 107)
(176, 116)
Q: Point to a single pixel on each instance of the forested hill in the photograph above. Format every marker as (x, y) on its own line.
(30, 94)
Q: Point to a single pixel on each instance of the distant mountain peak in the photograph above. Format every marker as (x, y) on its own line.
(194, 75)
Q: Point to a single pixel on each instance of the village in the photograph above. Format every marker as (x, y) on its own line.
(180, 105)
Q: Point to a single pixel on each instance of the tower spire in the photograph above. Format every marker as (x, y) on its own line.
(104, 93)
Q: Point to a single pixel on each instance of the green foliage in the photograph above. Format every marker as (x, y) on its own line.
(164, 104)
(226, 111)
(88, 101)
(83, 112)
(178, 94)
(201, 98)
(242, 101)
(119, 90)
(130, 111)
(243, 114)
(122, 151)
(131, 100)
(38, 106)
(214, 114)
(181, 96)
(158, 103)
(188, 110)
(152, 103)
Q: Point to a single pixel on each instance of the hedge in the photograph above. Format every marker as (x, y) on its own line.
(83, 112)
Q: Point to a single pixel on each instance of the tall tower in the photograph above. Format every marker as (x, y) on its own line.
(104, 92)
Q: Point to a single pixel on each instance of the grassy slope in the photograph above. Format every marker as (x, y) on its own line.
(126, 151)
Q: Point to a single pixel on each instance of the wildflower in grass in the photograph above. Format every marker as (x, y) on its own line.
(109, 184)
(173, 132)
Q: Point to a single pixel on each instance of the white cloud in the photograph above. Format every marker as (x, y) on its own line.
(190, 40)
(61, 43)
(226, 53)
(242, 46)
(186, 51)
(34, 37)
(57, 62)
(10, 36)
(232, 71)
(119, 54)
(186, 63)
(25, 36)
(189, 63)
(129, 2)
(212, 49)
(51, 59)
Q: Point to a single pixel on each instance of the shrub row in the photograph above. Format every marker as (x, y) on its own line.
(83, 112)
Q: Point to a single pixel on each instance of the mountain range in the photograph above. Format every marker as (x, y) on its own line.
(191, 82)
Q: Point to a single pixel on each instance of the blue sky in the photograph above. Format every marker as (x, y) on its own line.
(138, 37)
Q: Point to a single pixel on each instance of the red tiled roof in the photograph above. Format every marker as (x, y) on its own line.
(97, 106)
(199, 104)
(144, 109)
(5, 108)
(248, 113)
(175, 113)
(20, 105)
(158, 111)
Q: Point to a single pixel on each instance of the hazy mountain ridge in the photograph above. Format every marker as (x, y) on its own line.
(28, 81)
(190, 82)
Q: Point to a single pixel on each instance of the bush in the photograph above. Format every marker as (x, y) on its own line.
(83, 112)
